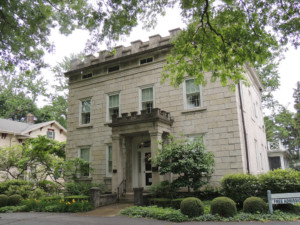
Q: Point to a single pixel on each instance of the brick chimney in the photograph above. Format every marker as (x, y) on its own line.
(30, 118)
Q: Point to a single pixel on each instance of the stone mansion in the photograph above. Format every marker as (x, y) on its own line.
(119, 109)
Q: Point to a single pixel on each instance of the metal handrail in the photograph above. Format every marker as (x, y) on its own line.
(122, 184)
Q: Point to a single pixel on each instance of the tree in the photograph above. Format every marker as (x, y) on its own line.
(296, 96)
(220, 38)
(188, 160)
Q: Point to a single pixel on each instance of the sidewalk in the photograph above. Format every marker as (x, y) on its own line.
(106, 211)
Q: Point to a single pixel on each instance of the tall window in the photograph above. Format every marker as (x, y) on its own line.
(109, 161)
(113, 106)
(193, 95)
(86, 111)
(85, 155)
(147, 99)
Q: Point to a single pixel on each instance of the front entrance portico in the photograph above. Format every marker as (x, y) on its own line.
(135, 138)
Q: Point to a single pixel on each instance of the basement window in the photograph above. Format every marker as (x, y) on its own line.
(113, 69)
(147, 60)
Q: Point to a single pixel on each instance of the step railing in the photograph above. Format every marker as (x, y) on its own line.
(121, 189)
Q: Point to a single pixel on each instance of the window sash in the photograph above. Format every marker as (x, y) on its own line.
(147, 95)
(191, 87)
(85, 154)
(85, 106)
(114, 101)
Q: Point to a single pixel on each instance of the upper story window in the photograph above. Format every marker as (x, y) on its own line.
(85, 111)
(192, 94)
(86, 76)
(113, 106)
(146, 60)
(113, 69)
(147, 99)
(51, 134)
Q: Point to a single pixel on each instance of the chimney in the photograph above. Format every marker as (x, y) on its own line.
(30, 118)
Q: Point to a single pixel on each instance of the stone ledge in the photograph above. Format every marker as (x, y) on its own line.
(194, 110)
(85, 126)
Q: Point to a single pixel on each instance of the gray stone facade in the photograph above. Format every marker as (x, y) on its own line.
(128, 110)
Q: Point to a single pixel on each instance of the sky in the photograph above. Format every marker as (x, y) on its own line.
(289, 68)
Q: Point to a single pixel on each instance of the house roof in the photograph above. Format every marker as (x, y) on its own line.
(21, 128)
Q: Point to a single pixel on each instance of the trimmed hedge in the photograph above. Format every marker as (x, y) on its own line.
(175, 203)
(238, 187)
(160, 202)
(192, 207)
(254, 205)
(3, 200)
(14, 200)
(223, 206)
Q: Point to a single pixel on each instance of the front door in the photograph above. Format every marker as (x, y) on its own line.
(146, 172)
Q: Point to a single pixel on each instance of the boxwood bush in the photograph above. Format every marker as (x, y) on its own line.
(254, 205)
(175, 203)
(14, 200)
(3, 200)
(223, 206)
(192, 207)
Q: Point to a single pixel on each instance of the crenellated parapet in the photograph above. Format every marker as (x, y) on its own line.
(136, 47)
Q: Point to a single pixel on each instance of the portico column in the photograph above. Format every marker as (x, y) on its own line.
(117, 173)
(155, 137)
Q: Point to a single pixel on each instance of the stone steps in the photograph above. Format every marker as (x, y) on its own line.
(127, 198)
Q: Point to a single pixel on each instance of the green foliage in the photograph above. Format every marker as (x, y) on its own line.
(160, 202)
(14, 200)
(81, 188)
(223, 206)
(163, 190)
(254, 205)
(207, 193)
(3, 200)
(155, 213)
(296, 96)
(48, 186)
(10, 209)
(61, 205)
(245, 185)
(19, 187)
(280, 181)
(192, 207)
(188, 160)
(175, 203)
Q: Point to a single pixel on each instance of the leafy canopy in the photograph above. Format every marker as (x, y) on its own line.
(188, 160)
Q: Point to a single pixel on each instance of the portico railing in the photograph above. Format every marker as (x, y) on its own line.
(121, 189)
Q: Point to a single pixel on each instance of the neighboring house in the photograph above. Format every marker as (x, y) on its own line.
(279, 156)
(119, 110)
(13, 132)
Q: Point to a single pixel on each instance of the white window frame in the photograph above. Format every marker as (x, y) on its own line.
(79, 156)
(80, 111)
(52, 134)
(107, 104)
(108, 173)
(140, 95)
(185, 98)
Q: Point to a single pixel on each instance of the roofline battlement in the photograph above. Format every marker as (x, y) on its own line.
(120, 51)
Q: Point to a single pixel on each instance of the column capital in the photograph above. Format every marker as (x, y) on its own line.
(116, 137)
(155, 133)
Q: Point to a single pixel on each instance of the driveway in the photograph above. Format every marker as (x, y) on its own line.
(76, 219)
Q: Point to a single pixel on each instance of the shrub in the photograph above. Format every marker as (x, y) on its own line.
(254, 205)
(37, 193)
(14, 200)
(163, 190)
(175, 203)
(245, 185)
(3, 200)
(48, 186)
(207, 193)
(192, 207)
(280, 181)
(223, 206)
(19, 187)
(160, 202)
(81, 188)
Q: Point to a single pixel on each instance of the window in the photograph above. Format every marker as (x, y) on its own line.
(51, 134)
(113, 69)
(113, 106)
(86, 76)
(109, 161)
(147, 60)
(85, 111)
(192, 94)
(193, 137)
(147, 99)
(85, 155)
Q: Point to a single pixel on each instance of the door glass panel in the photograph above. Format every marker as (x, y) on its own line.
(147, 161)
(148, 179)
